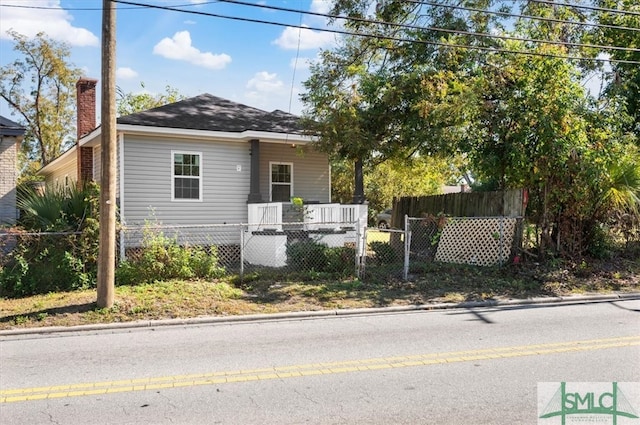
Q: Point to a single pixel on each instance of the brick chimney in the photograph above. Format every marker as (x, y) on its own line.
(86, 122)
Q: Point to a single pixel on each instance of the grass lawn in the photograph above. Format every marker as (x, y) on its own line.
(262, 293)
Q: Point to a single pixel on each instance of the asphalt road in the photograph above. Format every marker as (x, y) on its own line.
(467, 366)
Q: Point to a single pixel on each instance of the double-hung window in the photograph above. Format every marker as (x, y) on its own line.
(281, 181)
(186, 176)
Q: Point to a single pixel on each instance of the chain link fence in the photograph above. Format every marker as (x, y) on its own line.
(68, 260)
(347, 249)
(43, 262)
(241, 248)
(481, 241)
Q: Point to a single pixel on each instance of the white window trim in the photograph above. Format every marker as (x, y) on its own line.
(173, 177)
(271, 164)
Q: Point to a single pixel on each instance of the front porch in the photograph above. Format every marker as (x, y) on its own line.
(274, 225)
(270, 216)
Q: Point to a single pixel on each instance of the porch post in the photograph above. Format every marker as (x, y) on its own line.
(358, 194)
(254, 177)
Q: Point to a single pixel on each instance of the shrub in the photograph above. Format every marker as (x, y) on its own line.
(340, 260)
(163, 259)
(311, 256)
(43, 263)
(306, 256)
(384, 252)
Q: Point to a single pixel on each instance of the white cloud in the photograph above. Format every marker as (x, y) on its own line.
(305, 38)
(126, 73)
(300, 63)
(320, 6)
(266, 91)
(265, 82)
(55, 22)
(179, 48)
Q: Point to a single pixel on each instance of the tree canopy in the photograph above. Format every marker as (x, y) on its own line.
(39, 86)
(623, 79)
(498, 83)
(129, 103)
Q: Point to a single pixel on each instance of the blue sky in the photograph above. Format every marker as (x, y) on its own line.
(256, 64)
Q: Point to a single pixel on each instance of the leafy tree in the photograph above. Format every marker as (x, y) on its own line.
(40, 88)
(624, 78)
(391, 179)
(533, 125)
(129, 103)
(369, 100)
(380, 96)
(515, 108)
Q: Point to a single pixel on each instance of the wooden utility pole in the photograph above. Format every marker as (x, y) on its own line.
(107, 249)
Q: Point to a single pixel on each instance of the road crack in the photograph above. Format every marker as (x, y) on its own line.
(305, 396)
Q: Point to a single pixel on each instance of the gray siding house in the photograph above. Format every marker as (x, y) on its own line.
(11, 135)
(202, 160)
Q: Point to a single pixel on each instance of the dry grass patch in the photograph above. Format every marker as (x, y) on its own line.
(432, 283)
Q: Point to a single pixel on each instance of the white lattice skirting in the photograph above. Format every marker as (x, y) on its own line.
(483, 241)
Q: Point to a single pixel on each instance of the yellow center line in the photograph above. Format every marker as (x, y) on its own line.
(294, 371)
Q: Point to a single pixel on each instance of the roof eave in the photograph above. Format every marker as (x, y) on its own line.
(243, 136)
(58, 162)
(12, 132)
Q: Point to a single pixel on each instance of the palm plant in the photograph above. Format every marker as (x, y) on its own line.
(623, 190)
(619, 202)
(58, 208)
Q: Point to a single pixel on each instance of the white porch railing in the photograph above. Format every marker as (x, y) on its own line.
(321, 216)
(353, 213)
(316, 216)
(265, 216)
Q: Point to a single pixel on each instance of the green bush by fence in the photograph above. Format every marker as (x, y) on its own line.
(42, 263)
(311, 256)
(161, 258)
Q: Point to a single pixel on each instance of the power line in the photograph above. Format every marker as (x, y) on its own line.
(437, 29)
(427, 3)
(349, 33)
(380, 37)
(96, 9)
(595, 8)
(520, 16)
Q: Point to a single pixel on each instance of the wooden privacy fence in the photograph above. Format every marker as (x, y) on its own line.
(510, 203)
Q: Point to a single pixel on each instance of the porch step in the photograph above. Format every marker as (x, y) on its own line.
(291, 214)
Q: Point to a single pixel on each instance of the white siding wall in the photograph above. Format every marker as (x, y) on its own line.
(97, 166)
(311, 177)
(147, 182)
(69, 168)
(97, 163)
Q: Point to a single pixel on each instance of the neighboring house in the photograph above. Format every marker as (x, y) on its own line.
(455, 189)
(11, 135)
(202, 160)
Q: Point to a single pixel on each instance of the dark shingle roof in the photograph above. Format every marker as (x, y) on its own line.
(10, 128)
(207, 112)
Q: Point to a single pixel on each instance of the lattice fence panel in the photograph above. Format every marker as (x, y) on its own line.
(482, 241)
